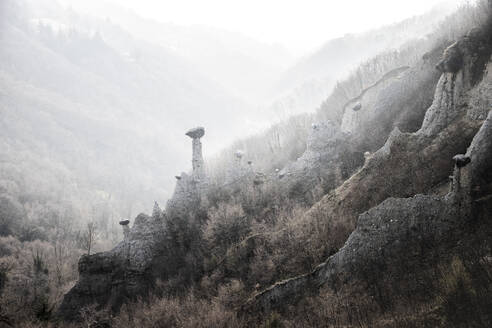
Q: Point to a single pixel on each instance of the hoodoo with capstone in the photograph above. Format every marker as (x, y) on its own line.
(197, 158)
(190, 188)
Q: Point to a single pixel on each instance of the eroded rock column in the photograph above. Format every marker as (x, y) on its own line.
(126, 228)
(197, 160)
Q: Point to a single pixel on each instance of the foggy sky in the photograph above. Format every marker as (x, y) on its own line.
(300, 25)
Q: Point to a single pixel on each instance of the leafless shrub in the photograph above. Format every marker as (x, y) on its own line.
(88, 236)
(188, 311)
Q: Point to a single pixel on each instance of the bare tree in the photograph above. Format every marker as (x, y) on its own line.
(89, 236)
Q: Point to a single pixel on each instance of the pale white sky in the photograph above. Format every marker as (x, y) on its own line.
(294, 23)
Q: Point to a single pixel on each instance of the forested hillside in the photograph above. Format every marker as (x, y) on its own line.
(63, 136)
(54, 118)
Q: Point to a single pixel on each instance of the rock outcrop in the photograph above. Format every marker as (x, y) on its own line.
(197, 158)
(480, 157)
(394, 238)
(399, 238)
(413, 163)
(327, 161)
(190, 189)
(361, 108)
(124, 273)
(131, 269)
(462, 67)
(398, 100)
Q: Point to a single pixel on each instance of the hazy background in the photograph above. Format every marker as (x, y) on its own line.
(95, 96)
(300, 26)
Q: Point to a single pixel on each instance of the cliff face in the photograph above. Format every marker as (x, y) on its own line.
(114, 277)
(402, 236)
(396, 239)
(412, 163)
(327, 161)
(334, 153)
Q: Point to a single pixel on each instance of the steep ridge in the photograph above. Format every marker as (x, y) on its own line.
(429, 164)
(410, 164)
(398, 226)
(398, 100)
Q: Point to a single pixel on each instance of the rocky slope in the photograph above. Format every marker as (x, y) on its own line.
(334, 152)
(396, 239)
(377, 175)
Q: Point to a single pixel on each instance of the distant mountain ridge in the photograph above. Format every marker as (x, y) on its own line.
(75, 97)
(307, 83)
(242, 65)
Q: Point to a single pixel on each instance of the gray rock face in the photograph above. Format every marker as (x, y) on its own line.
(452, 59)
(399, 102)
(390, 237)
(198, 165)
(359, 109)
(462, 66)
(138, 249)
(187, 193)
(461, 160)
(111, 278)
(333, 153)
(383, 233)
(190, 189)
(391, 233)
(197, 157)
(412, 163)
(480, 100)
(322, 144)
(324, 161)
(443, 110)
(126, 228)
(196, 133)
(480, 154)
(132, 267)
(399, 99)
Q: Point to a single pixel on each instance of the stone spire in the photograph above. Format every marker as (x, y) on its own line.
(461, 176)
(197, 159)
(126, 228)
